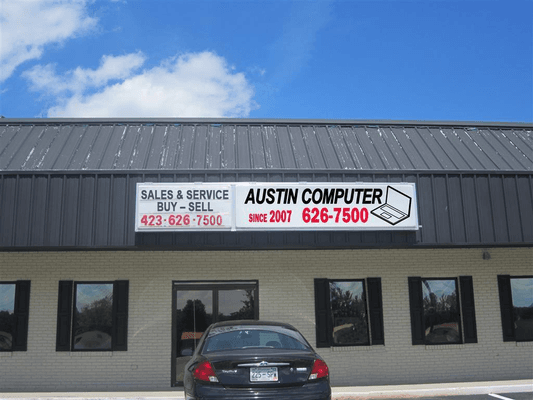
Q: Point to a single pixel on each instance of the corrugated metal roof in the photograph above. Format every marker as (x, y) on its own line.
(219, 145)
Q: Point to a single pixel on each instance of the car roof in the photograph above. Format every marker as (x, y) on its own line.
(251, 322)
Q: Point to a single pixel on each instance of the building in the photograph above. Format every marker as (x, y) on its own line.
(122, 239)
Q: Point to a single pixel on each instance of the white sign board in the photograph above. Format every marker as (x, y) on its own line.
(276, 206)
(360, 206)
(183, 206)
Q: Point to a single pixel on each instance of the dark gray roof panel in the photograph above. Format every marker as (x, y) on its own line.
(251, 145)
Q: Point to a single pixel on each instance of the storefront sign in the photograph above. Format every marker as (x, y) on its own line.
(180, 206)
(276, 206)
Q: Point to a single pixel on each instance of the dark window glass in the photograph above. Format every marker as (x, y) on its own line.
(441, 312)
(93, 316)
(235, 304)
(348, 312)
(194, 314)
(522, 292)
(7, 315)
(199, 304)
(249, 337)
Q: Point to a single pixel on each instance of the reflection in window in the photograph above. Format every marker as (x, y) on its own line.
(93, 316)
(7, 315)
(348, 310)
(236, 304)
(238, 339)
(522, 292)
(200, 304)
(441, 312)
(194, 314)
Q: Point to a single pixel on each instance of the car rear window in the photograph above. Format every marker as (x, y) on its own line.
(239, 338)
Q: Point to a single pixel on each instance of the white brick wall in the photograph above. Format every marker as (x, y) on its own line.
(286, 293)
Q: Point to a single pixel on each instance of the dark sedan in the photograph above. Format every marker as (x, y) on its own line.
(255, 360)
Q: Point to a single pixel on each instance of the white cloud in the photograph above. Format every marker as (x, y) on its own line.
(75, 82)
(192, 85)
(29, 25)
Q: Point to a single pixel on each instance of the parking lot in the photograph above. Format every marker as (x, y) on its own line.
(178, 395)
(491, 396)
(495, 390)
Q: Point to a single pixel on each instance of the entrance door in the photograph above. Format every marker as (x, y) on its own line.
(196, 305)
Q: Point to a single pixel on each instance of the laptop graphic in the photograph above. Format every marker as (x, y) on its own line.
(396, 208)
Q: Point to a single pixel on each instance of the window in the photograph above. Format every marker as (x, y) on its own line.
(92, 316)
(516, 306)
(442, 310)
(14, 314)
(222, 339)
(348, 312)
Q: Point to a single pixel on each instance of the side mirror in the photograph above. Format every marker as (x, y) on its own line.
(186, 352)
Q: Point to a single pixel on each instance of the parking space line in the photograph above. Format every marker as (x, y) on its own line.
(499, 397)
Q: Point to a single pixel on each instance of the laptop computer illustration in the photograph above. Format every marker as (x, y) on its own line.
(396, 208)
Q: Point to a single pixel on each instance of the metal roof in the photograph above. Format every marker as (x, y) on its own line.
(264, 145)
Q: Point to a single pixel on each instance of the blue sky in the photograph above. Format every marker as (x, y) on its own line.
(468, 60)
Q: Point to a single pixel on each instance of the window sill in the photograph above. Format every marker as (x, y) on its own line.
(6, 354)
(91, 354)
(444, 346)
(524, 344)
(342, 349)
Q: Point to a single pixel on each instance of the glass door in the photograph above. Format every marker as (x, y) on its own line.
(196, 305)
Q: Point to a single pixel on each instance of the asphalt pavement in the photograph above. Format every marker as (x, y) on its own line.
(495, 390)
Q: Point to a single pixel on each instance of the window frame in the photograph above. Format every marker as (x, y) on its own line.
(373, 301)
(507, 307)
(21, 312)
(67, 294)
(466, 310)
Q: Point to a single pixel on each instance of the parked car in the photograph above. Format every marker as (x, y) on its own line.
(255, 360)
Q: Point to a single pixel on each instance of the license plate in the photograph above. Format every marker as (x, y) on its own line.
(265, 374)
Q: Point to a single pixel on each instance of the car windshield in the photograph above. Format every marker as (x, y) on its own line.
(246, 337)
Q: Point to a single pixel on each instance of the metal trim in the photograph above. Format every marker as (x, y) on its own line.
(256, 121)
(264, 172)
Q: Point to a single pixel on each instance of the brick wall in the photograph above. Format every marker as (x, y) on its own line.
(285, 293)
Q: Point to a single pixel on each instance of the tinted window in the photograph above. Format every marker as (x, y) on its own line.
(243, 338)
(93, 316)
(7, 315)
(522, 292)
(236, 304)
(441, 312)
(348, 311)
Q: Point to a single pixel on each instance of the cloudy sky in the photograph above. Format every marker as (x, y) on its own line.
(468, 60)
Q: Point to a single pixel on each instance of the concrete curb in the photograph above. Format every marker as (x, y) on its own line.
(432, 390)
(339, 393)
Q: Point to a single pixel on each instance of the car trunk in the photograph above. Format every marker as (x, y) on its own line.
(270, 368)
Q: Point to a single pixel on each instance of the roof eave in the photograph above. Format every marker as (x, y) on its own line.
(254, 121)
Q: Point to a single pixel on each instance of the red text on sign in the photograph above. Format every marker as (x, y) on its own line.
(209, 220)
(272, 216)
(347, 215)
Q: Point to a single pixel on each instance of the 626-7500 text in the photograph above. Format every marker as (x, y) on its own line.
(181, 220)
(314, 215)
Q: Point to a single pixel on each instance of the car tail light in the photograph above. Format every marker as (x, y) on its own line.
(320, 370)
(205, 372)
